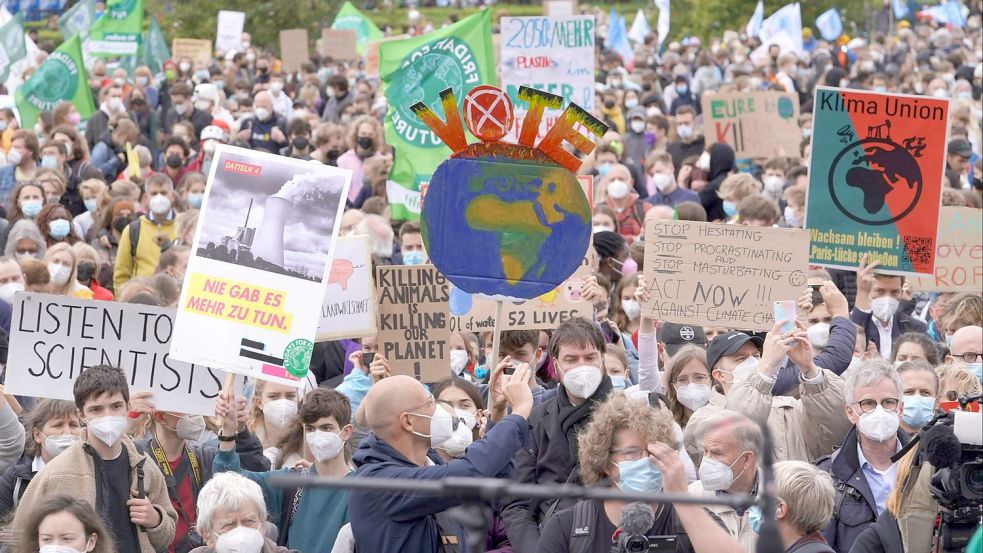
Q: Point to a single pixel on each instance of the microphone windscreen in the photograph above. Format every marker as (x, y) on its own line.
(941, 446)
(636, 519)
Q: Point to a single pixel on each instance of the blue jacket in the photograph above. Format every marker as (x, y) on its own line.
(405, 522)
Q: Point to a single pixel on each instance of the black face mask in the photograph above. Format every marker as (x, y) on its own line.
(609, 104)
(365, 142)
(173, 161)
(85, 271)
(120, 223)
(301, 143)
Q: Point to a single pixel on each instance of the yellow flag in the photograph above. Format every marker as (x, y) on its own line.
(132, 161)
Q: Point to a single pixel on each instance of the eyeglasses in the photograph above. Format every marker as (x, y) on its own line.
(696, 379)
(868, 405)
(630, 453)
(968, 357)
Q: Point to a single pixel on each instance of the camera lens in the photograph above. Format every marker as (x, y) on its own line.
(636, 544)
(973, 480)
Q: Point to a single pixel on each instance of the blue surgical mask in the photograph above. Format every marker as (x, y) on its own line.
(948, 342)
(480, 372)
(31, 208)
(976, 369)
(730, 208)
(194, 200)
(413, 258)
(618, 382)
(918, 410)
(59, 228)
(91, 204)
(639, 476)
(603, 169)
(682, 88)
(48, 162)
(754, 518)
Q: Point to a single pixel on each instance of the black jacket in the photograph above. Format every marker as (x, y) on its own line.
(883, 536)
(549, 458)
(900, 324)
(680, 151)
(721, 164)
(13, 483)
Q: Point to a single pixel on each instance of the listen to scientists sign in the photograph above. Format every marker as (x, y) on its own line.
(53, 339)
(715, 274)
(875, 180)
(263, 250)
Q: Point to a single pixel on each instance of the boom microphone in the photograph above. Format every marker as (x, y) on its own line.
(636, 519)
(941, 447)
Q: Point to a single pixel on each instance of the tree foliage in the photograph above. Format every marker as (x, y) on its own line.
(710, 18)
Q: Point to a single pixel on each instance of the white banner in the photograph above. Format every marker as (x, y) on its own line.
(348, 310)
(228, 34)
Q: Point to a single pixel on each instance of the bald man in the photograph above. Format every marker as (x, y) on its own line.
(967, 347)
(265, 130)
(406, 422)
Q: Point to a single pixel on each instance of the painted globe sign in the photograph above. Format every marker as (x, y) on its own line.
(507, 221)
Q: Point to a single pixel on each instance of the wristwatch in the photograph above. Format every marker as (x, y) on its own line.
(231, 438)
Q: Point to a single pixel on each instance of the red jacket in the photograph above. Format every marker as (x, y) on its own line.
(100, 293)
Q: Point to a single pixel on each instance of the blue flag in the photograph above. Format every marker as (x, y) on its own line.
(754, 24)
(617, 40)
(829, 24)
(900, 8)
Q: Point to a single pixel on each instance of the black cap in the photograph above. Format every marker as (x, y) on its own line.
(728, 344)
(960, 147)
(675, 336)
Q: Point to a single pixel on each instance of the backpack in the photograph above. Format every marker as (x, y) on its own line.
(134, 238)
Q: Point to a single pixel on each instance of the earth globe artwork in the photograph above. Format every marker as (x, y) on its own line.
(507, 221)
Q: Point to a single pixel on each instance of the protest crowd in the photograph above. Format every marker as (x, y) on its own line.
(101, 206)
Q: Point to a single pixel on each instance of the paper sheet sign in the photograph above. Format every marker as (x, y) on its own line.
(53, 339)
(293, 47)
(414, 325)
(199, 50)
(959, 254)
(349, 303)
(713, 274)
(756, 124)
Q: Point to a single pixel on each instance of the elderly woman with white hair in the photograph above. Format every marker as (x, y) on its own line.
(804, 506)
(232, 517)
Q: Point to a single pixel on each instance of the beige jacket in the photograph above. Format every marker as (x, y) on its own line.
(73, 473)
(737, 526)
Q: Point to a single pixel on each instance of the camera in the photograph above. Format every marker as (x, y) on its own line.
(644, 544)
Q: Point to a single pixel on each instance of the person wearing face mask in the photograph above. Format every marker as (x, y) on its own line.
(87, 271)
(337, 90)
(618, 187)
(920, 394)
(266, 130)
(611, 112)
(272, 413)
(662, 186)
(862, 467)
(410, 245)
(139, 244)
(967, 349)
(110, 108)
(684, 96)
(62, 264)
(192, 189)
(283, 105)
(774, 179)
(175, 157)
(25, 241)
(22, 161)
(365, 140)
(64, 524)
(299, 133)
(12, 281)
(628, 444)
(233, 517)
(406, 422)
(211, 137)
(876, 307)
(182, 108)
(636, 146)
(106, 469)
(690, 141)
(55, 223)
(329, 141)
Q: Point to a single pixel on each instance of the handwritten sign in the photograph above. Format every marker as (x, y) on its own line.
(293, 48)
(553, 54)
(756, 124)
(228, 32)
(349, 303)
(713, 274)
(53, 339)
(338, 44)
(413, 322)
(199, 50)
(959, 254)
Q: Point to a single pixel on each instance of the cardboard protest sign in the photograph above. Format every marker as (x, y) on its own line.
(199, 50)
(228, 32)
(293, 49)
(714, 274)
(559, 8)
(958, 255)
(413, 322)
(372, 55)
(554, 54)
(875, 179)
(348, 310)
(53, 339)
(263, 249)
(760, 123)
(338, 44)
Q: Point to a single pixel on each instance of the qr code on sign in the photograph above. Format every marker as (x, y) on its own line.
(918, 249)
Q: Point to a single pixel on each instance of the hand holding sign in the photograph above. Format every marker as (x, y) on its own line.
(379, 368)
(865, 282)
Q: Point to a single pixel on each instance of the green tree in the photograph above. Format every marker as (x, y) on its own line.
(693, 17)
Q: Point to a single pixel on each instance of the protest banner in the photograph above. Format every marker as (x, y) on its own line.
(53, 339)
(228, 30)
(715, 274)
(154, 51)
(348, 310)
(263, 248)
(349, 17)
(338, 44)
(958, 255)
(554, 54)
(61, 78)
(13, 48)
(199, 50)
(417, 69)
(77, 19)
(117, 32)
(293, 49)
(762, 123)
(875, 180)
(414, 325)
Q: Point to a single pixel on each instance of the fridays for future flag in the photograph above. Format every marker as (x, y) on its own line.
(117, 32)
(61, 77)
(460, 57)
(13, 47)
(154, 51)
(365, 30)
(77, 19)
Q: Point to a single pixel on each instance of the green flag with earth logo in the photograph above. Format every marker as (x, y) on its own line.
(61, 78)
(117, 32)
(77, 19)
(12, 45)
(459, 57)
(154, 51)
(350, 18)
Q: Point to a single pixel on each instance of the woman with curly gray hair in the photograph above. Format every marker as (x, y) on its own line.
(630, 445)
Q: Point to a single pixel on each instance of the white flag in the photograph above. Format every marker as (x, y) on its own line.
(754, 24)
(662, 25)
(639, 27)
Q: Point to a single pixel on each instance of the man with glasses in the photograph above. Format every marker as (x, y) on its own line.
(967, 347)
(862, 468)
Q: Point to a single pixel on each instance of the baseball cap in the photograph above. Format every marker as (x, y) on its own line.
(728, 344)
(675, 336)
(960, 147)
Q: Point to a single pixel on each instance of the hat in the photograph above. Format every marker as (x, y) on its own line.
(960, 147)
(675, 336)
(220, 123)
(123, 204)
(207, 91)
(213, 132)
(728, 344)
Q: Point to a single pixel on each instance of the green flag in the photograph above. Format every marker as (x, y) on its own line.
(77, 19)
(458, 56)
(154, 51)
(117, 32)
(350, 18)
(12, 45)
(61, 78)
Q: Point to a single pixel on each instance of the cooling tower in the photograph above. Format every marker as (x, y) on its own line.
(268, 242)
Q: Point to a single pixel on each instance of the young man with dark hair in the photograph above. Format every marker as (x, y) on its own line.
(876, 307)
(411, 249)
(106, 469)
(183, 109)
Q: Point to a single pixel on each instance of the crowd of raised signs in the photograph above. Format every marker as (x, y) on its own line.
(617, 400)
